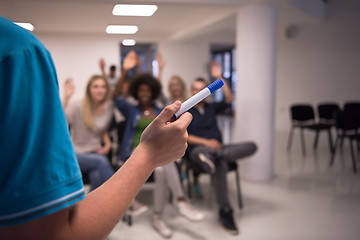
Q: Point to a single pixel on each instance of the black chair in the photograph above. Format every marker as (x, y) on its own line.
(352, 106)
(326, 113)
(303, 117)
(347, 126)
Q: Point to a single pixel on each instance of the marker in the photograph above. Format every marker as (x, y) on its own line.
(185, 106)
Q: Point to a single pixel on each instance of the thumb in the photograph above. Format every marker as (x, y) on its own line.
(168, 112)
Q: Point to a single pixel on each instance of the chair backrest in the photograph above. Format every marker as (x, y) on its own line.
(302, 113)
(352, 106)
(345, 120)
(327, 112)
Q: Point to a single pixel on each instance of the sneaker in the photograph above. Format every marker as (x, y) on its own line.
(207, 165)
(189, 211)
(197, 191)
(161, 227)
(137, 208)
(227, 220)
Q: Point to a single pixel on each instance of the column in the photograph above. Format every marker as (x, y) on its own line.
(256, 33)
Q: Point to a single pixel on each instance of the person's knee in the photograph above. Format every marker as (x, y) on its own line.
(159, 172)
(251, 147)
(102, 160)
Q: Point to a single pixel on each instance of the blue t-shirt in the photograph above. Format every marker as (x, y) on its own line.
(39, 173)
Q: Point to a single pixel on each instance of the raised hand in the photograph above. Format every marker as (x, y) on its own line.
(215, 69)
(102, 65)
(131, 60)
(161, 61)
(69, 88)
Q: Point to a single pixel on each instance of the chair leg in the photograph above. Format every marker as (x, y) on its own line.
(291, 135)
(357, 138)
(331, 146)
(316, 139)
(352, 155)
(238, 189)
(188, 182)
(334, 150)
(341, 141)
(127, 218)
(302, 141)
(211, 189)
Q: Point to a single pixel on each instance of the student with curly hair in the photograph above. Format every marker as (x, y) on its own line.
(145, 89)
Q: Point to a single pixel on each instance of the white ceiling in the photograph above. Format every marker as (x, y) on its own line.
(174, 19)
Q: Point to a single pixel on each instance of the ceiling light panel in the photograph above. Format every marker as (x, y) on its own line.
(128, 42)
(134, 10)
(121, 29)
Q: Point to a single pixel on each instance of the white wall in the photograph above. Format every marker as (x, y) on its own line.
(321, 62)
(77, 56)
(186, 60)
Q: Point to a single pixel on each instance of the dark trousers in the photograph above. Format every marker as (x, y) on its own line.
(222, 158)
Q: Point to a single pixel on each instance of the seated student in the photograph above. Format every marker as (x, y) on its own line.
(207, 152)
(89, 120)
(41, 193)
(145, 89)
(177, 91)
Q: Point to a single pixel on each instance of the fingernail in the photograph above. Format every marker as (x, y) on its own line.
(177, 104)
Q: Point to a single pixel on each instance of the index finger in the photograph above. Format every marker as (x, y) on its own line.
(168, 112)
(184, 120)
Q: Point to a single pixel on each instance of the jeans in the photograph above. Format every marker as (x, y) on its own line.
(96, 166)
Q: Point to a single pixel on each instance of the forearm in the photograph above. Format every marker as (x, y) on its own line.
(96, 215)
(64, 102)
(106, 140)
(119, 85)
(228, 96)
(103, 208)
(195, 140)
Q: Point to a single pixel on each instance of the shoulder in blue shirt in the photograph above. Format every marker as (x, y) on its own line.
(39, 173)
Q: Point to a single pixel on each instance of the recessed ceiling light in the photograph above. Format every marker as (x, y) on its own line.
(134, 10)
(27, 26)
(121, 29)
(128, 42)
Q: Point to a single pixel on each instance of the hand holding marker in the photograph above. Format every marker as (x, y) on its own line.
(198, 97)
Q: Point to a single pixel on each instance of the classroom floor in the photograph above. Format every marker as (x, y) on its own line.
(305, 200)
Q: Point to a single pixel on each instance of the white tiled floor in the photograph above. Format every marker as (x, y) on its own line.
(306, 200)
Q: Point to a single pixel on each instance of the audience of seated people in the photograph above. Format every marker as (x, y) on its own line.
(135, 97)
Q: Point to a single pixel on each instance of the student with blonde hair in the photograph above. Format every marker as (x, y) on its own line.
(177, 88)
(89, 120)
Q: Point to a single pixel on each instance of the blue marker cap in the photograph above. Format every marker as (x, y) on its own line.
(215, 85)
